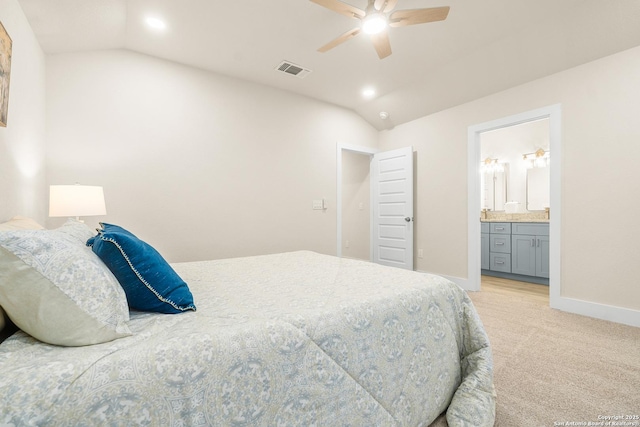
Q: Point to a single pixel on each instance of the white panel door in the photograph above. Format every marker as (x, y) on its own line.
(392, 201)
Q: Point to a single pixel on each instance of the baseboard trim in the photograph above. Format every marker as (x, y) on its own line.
(611, 313)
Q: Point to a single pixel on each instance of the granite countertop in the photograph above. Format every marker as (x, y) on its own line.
(516, 220)
(541, 216)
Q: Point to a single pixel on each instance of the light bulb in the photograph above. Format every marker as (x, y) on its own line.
(374, 23)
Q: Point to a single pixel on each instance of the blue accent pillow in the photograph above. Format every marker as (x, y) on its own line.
(148, 280)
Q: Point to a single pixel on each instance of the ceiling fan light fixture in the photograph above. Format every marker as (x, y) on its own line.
(374, 23)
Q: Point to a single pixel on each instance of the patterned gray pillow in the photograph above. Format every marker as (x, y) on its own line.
(57, 290)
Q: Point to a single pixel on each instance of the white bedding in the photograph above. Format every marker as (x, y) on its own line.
(287, 339)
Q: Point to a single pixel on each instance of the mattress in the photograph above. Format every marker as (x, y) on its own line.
(278, 340)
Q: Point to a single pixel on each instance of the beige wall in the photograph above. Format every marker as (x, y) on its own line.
(22, 142)
(200, 165)
(600, 176)
(356, 195)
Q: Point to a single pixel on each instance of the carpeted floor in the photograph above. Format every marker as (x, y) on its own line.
(558, 369)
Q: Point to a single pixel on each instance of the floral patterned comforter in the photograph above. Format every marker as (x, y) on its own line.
(278, 340)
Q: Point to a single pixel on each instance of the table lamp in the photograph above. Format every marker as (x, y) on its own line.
(76, 201)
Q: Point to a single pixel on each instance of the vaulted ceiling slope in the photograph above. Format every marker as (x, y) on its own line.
(481, 48)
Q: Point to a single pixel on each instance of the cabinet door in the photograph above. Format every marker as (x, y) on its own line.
(542, 256)
(523, 254)
(484, 251)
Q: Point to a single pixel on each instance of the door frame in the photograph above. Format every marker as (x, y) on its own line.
(360, 150)
(554, 114)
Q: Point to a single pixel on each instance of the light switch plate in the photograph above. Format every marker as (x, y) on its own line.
(318, 205)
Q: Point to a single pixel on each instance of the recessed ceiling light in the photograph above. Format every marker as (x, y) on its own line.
(368, 92)
(155, 23)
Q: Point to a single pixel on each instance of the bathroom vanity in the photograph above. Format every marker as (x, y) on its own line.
(516, 250)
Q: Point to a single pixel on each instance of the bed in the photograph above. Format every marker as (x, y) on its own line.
(286, 339)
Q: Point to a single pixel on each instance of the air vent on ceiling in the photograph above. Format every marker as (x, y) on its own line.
(293, 69)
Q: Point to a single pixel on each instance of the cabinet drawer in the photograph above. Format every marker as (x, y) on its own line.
(500, 262)
(533, 229)
(500, 243)
(500, 228)
(484, 227)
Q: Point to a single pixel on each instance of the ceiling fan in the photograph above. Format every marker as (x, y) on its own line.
(376, 18)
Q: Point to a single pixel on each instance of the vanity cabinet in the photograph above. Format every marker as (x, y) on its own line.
(530, 250)
(484, 246)
(516, 250)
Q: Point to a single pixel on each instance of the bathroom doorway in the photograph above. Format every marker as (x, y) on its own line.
(553, 114)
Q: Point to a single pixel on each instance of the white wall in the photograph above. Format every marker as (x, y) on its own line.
(22, 142)
(600, 176)
(200, 165)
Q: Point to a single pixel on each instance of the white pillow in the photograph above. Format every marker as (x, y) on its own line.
(57, 290)
(20, 223)
(17, 223)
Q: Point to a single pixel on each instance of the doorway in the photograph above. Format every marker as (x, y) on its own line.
(389, 203)
(553, 113)
(357, 151)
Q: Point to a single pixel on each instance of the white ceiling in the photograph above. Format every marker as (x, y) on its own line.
(483, 46)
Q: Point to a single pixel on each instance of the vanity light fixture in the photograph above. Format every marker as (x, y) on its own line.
(491, 165)
(537, 159)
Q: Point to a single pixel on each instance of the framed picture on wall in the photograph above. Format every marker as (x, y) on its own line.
(5, 74)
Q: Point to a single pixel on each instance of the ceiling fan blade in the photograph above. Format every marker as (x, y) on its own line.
(382, 44)
(385, 5)
(402, 18)
(341, 39)
(342, 8)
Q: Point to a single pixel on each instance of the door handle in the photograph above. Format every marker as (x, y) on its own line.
(408, 219)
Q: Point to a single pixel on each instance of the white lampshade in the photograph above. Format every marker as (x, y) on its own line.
(76, 200)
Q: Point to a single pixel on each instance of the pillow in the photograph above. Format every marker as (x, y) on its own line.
(148, 280)
(78, 230)
(20, 223)
(57, 290)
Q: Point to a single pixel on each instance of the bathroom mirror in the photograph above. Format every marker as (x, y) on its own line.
(538, 188)
(494, 186)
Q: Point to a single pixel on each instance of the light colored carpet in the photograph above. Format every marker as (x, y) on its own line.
(553, 368)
